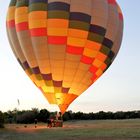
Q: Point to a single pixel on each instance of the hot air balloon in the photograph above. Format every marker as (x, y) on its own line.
(64, 46)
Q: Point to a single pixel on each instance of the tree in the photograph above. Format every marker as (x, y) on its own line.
(1, 120)
(26, 117)
(67, 116)
(119, 115)
(43, 115)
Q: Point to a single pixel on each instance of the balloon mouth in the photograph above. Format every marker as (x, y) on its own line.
(60, 99)
(63, 108)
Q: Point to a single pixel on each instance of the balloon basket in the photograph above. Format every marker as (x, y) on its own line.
(55, 123)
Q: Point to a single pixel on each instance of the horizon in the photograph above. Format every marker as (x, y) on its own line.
(69, 111)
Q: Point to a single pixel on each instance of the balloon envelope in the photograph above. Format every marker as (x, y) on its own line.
(64, 46)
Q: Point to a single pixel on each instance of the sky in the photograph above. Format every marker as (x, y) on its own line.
(117, 89)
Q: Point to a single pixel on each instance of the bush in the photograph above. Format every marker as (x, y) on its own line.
(26, 118)
(43, 115)
(1, 120)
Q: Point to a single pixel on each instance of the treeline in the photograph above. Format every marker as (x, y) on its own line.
(101, 115)
(1, 120)
(28, 116)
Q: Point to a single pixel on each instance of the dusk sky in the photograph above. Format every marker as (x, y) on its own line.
(117, 89)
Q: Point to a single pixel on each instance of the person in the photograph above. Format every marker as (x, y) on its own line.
(52, 121)
(49, 123)
(60, 116)
(35, 121)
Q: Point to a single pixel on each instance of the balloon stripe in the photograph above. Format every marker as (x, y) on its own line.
(65, 90)
(57, 23)
(108, 43)
(97, 29)
(10, 24)
(100, 56)
(57, 40)
(79, 25)
(47, 77)
(56, 14)
(38, 32)
(95, 37)
(37, 7)
(112, 2)
(21, 3)
(60, 6)
(12, 3)
(80, 17)
(93, 45)
(77, 33)
(26, 65)
(22, 26)
(86, 60)
(57, 83)
(93, 69)
(11, 13)
(75, 50)
(37, 1)
(121, 16)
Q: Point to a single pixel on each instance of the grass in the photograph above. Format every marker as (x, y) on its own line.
(76, 130)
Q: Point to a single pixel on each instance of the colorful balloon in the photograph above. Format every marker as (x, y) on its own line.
(64, 46)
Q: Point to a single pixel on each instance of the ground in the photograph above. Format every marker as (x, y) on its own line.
(75, 130)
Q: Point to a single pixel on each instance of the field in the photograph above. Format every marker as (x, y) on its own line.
(75, 130)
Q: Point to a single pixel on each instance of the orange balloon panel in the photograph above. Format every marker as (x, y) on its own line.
(64, 46)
